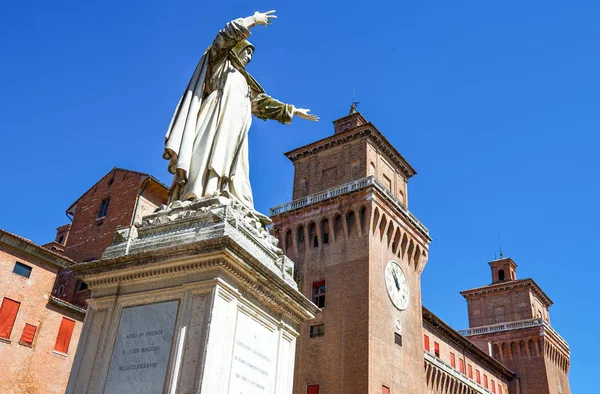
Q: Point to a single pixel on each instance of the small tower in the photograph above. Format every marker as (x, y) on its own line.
(503, 270)
(510, 319)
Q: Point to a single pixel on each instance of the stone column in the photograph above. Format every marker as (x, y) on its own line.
(196, 299)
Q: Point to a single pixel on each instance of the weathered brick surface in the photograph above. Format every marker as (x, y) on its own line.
(539, 357)
(35, 369)
(89, 235)
(357, 354)
(448, 344)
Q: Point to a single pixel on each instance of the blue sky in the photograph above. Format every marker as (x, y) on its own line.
(494, 103)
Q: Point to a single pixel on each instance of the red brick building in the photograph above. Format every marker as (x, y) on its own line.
(38, 332)
(347, 221)
(359, 255)
(43, 303)
(119, 199)
(510, 317)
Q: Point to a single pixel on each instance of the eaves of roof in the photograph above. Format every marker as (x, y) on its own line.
(506, 286)
(30, 247)
(368, 130)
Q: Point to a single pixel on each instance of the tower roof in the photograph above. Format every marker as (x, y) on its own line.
(350, 127)
(508, 286)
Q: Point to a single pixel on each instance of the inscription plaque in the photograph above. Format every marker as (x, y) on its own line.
(141, 354)
(254, 358)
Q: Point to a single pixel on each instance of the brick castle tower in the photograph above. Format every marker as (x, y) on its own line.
(510, 318)
(348, 220)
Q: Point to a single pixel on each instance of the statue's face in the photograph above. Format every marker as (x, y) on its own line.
(246, 55)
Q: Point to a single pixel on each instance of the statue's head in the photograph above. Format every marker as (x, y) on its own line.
(244, 51)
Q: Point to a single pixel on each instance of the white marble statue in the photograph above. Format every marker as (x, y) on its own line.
(207, 140)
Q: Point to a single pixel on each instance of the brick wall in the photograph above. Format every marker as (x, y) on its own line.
(36, 368)
(89, 235)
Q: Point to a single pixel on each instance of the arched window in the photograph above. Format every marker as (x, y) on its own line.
(522, 349)
(288, 240)
(496, 352)
(300, 238)
(338, 231)
(350, 223)
(325, 231)
(382, 226)
(312, 235)
(532, 348)
(513, 350)
(375, 219)
(362, 212)
(501, 275)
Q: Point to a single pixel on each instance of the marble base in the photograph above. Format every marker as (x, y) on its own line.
(195, 299)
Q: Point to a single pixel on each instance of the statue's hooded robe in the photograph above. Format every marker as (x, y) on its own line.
(207, 140)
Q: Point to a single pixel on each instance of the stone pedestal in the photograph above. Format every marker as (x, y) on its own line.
(195, 299)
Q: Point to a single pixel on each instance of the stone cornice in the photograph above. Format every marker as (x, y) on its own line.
(112, 271)
(430, 319)
(367, 130)
(66, 305)
(507, 286)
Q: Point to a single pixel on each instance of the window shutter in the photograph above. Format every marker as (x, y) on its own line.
(8, 314)
(28, 334)
(452, 360)
(426, 342)
(64, 335)
(313, 389)
(385, 390)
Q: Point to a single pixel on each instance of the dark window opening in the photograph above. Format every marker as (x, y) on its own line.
(312, 235)
(318, 294)
(436, 349)
(317, 330)
(82, 286)
(300, 238)
(501, 275)
(397, 339)
(103, 208)
(22, 269)
(325, 231)
(61, 239)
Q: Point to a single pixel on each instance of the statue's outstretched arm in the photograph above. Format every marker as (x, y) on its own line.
(239, 29)
(266, 107)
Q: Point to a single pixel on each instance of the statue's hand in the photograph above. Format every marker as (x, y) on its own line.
(304, 114)
(261, 18)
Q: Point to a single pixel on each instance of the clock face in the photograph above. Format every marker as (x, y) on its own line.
(396, 285)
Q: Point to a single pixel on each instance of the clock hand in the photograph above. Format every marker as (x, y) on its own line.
(396, 280)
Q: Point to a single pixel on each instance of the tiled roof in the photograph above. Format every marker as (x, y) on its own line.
(153, 178)
(62, 260)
